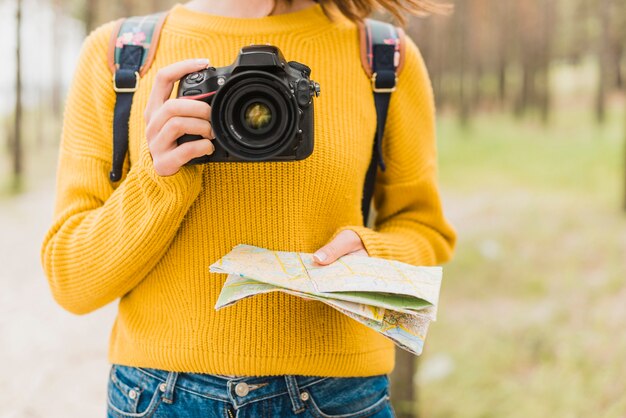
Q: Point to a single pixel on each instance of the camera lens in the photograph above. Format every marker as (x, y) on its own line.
(255, 116)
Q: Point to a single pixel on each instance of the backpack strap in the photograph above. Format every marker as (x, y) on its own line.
(133, 45)
(382, 57)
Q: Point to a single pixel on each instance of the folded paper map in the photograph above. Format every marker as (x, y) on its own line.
(396, 299)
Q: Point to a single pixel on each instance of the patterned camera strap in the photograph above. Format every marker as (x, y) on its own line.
(132, 50)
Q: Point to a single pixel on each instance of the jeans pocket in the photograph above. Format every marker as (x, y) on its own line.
(132, 393)
(348, 397)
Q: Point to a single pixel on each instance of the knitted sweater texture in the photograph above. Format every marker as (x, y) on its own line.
(149, 240)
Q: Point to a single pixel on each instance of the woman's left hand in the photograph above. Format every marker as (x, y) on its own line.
(346, 242)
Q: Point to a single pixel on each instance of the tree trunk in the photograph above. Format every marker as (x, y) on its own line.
(603, 48)
(402, 391)
(549, 19)
(530, 41)
(57, 65)
(503, 46)
(462, 22)
(624, 176)
(477, 86)
(527, 87)
(16, 146)
(91, 12)
(502, 80)
(129, 7)
(618, 57)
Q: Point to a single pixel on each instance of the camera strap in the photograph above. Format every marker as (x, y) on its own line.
(131, 51)
(382, 56)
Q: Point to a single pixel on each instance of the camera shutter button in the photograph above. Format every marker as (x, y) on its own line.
(195, 78)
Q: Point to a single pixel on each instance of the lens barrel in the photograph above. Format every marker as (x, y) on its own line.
(255, 115)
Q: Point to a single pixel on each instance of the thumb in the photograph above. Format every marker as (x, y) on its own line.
(344, 243)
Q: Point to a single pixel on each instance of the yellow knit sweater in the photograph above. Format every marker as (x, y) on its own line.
(149, 240)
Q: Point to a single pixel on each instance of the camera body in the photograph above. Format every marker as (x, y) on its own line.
(261, 107)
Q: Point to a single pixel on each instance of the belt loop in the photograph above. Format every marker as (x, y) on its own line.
(294, 393)
(168, 387)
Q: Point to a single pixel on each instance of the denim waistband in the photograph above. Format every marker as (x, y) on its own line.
(238, 390)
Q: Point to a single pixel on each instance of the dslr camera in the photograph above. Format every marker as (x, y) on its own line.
(261, 107)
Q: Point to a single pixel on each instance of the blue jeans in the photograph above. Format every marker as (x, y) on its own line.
(142, 392)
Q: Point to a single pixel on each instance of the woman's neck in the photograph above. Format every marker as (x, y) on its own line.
(247, 8)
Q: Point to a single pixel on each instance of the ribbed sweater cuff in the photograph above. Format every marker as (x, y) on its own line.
(180, 183)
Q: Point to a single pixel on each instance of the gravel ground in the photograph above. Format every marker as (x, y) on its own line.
(54, 362)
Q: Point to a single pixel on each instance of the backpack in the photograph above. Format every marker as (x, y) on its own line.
(134, 43)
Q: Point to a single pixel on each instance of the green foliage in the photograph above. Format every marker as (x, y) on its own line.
(532, 308)
(572, 155)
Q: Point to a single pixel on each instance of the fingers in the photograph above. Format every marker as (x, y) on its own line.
(346, 242)
(177, 127)
(169, 163)
(176, 107)
(165, 79)
(168, 119)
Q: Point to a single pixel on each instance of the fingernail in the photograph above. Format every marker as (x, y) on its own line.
(211, 149)
(320, 255)
(202, 62)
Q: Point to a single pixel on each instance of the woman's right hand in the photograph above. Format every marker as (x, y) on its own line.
(168, 119)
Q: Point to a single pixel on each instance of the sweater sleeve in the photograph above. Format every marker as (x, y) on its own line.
(104, 239)
(410, 225)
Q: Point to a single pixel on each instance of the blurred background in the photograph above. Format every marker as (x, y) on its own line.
(531, 134)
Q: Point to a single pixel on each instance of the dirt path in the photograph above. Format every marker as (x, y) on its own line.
(54, 363)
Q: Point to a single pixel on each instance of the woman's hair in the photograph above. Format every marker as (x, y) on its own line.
(357, 10)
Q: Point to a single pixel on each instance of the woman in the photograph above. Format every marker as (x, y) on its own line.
(150, 238)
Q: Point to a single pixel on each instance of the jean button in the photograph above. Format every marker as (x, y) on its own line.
(242, 389)
(304, 396)
(132, 394)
